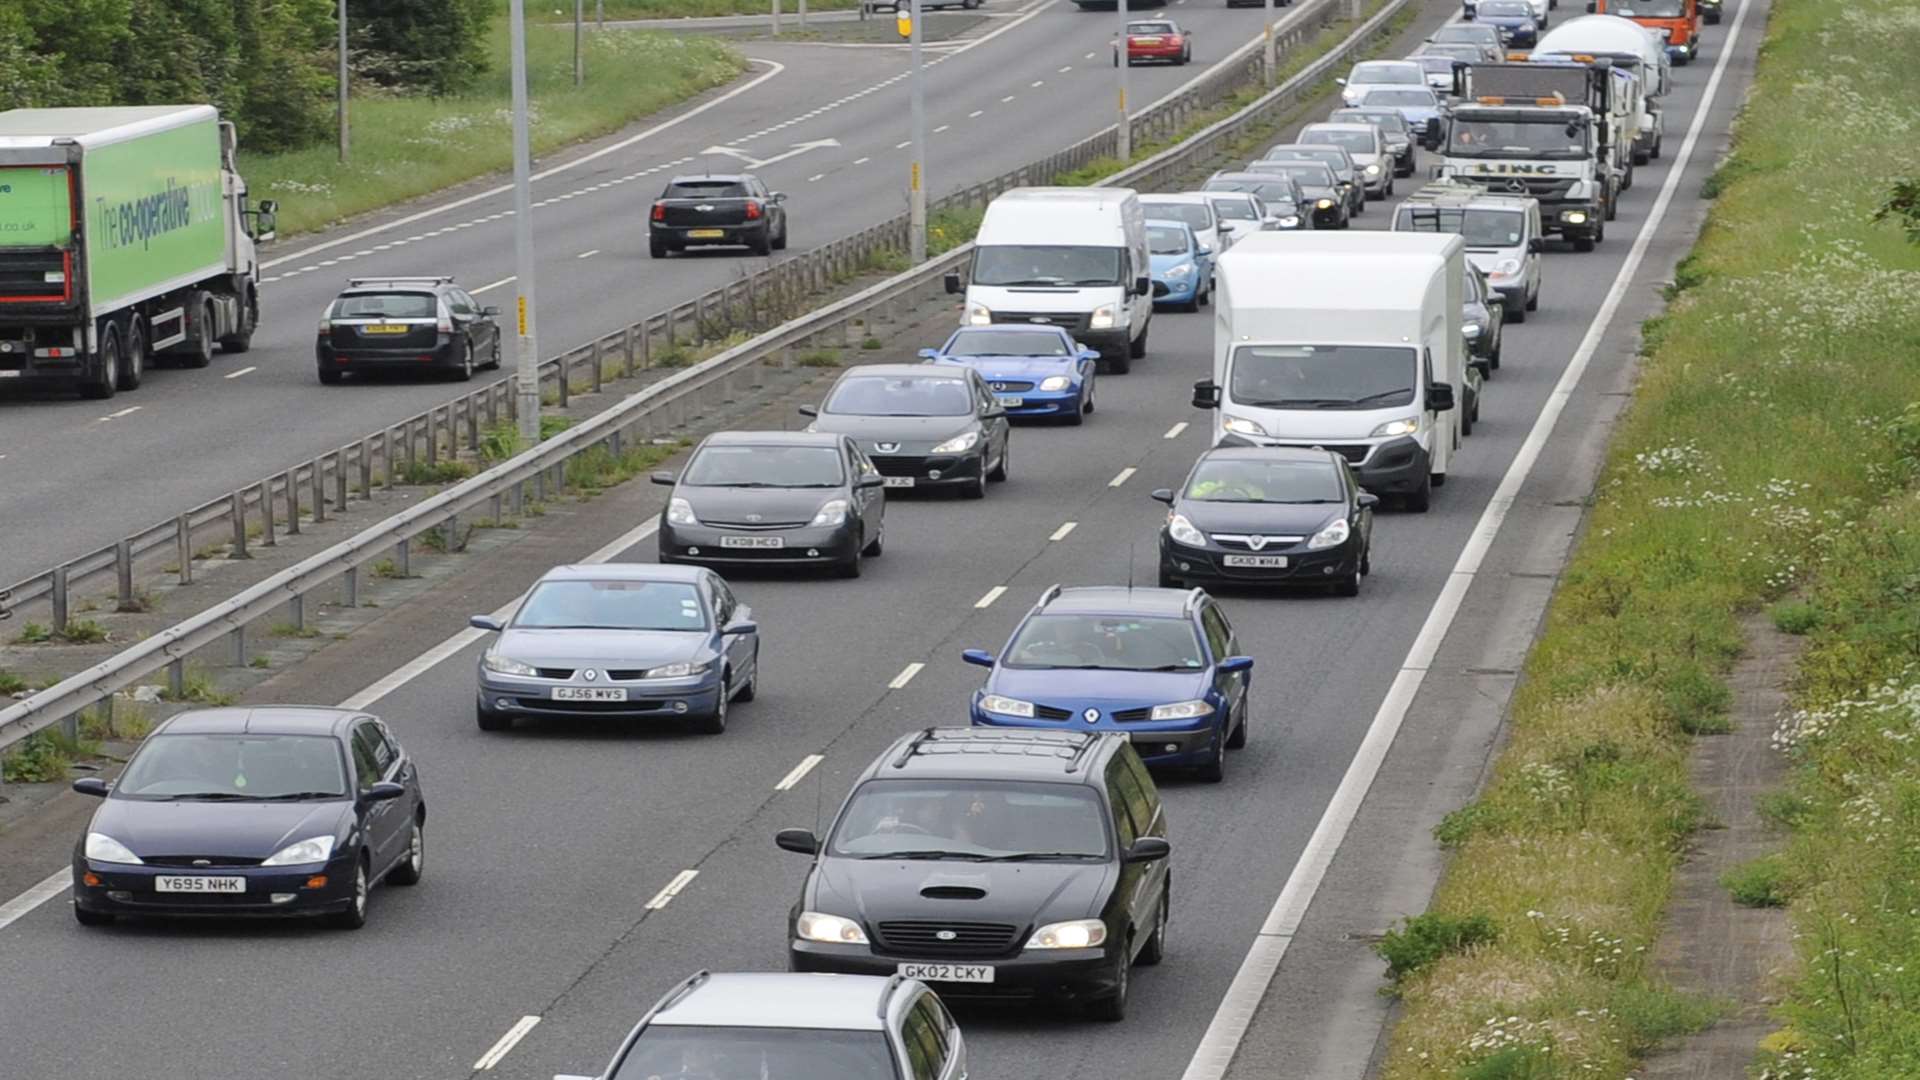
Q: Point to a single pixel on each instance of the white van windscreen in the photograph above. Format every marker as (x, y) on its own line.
(1322, 376)
(1481, 228)
(1020, 264)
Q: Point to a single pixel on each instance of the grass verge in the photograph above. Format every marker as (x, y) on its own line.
(409, 146)
(1766, 428)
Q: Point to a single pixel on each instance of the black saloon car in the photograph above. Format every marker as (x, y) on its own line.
(406, 324)
(771, 498)
(1268, 516)
(923, 425)
(992, 863)
(278, 810)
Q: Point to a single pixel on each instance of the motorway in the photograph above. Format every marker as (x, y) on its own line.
(548, 844)
(1034, 81)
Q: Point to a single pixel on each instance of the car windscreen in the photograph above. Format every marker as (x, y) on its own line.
(1194, 214)
(987, 342)
(1399, 97)
(1149, 28)
(1333, 159)
(1436, 65)
(1106, 643)
(899, 395)
(1246, 480)
(971, 820)
(1505, 8)
(1039, 265)
(1322, 376)
(699, 1052)
(705, 189)
(1469, 34)
(1553, 137)
(728, 465)
(1647, 9)
(1481, 228)
(1166, 240)
(1235, 210)
(1304, 172)
(1353, 142)
(1389, 123)
(1383, 73)
(612, 605)
(386, 306)
(233, 768)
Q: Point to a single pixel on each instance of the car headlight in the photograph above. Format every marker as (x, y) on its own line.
(959, 444)
(503, 665)
(1181, 271)
(1181, 710)
(832, 512)
(1506, 268)
(1290, 222)
(680, 512)
(1077, 934)
(311, 850)
(1373, 170)
(1333, 535)
(1183, 532)
(1470, 331)
(1324, 204)
(1240, 425)
(816, 926)
(1576, 217)
(104, 848)
(1007, 706)
(1406, 425)
(686, 669)
(1101, 319)
(1055, 382)
(979, 315)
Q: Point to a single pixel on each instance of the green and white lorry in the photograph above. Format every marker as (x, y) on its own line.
(125, 238)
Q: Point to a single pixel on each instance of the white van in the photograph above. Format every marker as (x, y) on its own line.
(1073, 257)
(1349, 341)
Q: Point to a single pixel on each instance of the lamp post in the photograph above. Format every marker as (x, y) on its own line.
(1123, 148)
(342, 104)
(528, 370)
(1271, 56)
(917, 180)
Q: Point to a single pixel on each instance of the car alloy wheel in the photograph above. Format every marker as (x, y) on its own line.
(1113, 1008)
(1155, 950)
(355, 916)
(410, 869)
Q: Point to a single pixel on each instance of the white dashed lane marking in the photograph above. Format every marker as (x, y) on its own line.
(1060, 533)
(665, 896)
(1123, 477)
(497, 284)
(906, 675)
(993, 594)
(237, 374)
(1174, 431)
(798, 772)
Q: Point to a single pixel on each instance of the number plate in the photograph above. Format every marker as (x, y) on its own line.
(752, 542)
(1146, 41)
(899, 481)
(958, 973)
(706, 234)
(589, 693)
(200, 884)
(9, 374)
(385, 328)
(1011, 402)
(1264, 562)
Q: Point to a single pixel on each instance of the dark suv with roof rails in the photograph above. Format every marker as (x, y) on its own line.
(989, 863)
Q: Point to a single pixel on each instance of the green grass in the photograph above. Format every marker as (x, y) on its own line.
(1767, 426)
(1760, 883)
(561, 11)
(199, 688)
(408, 146)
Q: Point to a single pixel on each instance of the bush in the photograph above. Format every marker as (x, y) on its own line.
(1760, 883)
(1795, 617)
(1426, 938)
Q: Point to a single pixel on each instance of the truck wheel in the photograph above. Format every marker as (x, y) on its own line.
(1657, 140)
(133, 358)
(1421, 498)
(200, 344)
(107, 366)
(242, 339)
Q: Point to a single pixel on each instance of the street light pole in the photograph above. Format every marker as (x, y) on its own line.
(579, 57)
(529, 358)
(776, 18)
(342, 105)
(1123, 148)
(1271, 57)
(917, 189)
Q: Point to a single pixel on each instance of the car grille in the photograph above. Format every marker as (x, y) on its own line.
(753, 526)
(195, 861)
(554, 672)
(1008, 386)
(1049, 712)
(1131, 716)
(1239, 543)
(921, 937)
(1071, 320)
(1355, 453)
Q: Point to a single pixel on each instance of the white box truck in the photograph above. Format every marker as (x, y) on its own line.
(125, 235)
(1072, 257)
(1349, 341)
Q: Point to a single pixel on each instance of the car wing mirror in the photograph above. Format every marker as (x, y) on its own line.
(929, 354)
(977, 657)
(778, 197)
(1089, 354)
(952, 282)
(1367, 500)
(809, 410)
(490, 311)
(995, 413)
(1147, 849)
(1164, 495)
(744, 626)
(1339, 82)
(1204, 251)
(91, 785)
(663, 478)
(799, 841)
(1233, 665)
(486, 622)
(871, 480)
(384, 791)
(1206, 394)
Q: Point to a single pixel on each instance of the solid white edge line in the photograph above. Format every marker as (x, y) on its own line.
(237, 374)
(906, 675)
(1174, 431)
(993, 594)
(665, 896)
(588, 254)
(1235, 1014)
(1061, 532)
(503, 281)
(507, 1042)
(799, 772)
(49, 887)
(557, 169)
(1125, 475)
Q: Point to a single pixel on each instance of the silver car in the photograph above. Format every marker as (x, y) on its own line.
(621, 641)
(1364, 143)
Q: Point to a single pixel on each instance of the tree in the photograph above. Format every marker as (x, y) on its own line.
(433, 45)
(1903, 203)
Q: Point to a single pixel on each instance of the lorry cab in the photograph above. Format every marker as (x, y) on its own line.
(1678, 22)
(1072, 257)
(1351, 342)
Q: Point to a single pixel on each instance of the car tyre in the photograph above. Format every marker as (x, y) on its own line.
(410, 870)
(977, 487)
(1155, 950)
(1467, 417)
(1120, 362)
(1348, 585)
(999, 474)
(780, 242)
(329, 376)
(715, 722)
(1113, 1007)
(1137, 348)
(488, 720)
(761, 244)
(355, 916)
(849, 568)
(656, 248)
(1080, 410)
(878, 544)
(464, 373)
(1238, 740)
(1533, 299)
(91, 918)
(1517, 313)
(1583, 244)
(1215, 770)
(494, 364)
(1421, 498)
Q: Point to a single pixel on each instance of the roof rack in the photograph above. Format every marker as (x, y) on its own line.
(437, 279)
(1086, 747)
(687, 986)
(1048, 595)
(1194, 597)
(913, 744)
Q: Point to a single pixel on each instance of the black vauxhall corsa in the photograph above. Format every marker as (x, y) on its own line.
(923, 425)
(1268, 516)
(278, 810)
(992, 863)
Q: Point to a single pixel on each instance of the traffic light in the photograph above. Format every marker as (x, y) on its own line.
(903, 19)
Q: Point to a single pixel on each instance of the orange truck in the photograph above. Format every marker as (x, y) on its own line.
(1677, 21)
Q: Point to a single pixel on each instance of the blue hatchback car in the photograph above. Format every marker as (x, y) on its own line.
(1034, 371)
(1180, 262)
(1514, 19)
(1162, 666)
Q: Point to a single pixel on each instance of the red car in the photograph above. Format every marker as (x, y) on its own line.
(1160, 39)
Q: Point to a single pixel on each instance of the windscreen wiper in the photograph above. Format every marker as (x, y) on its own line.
(1407, 390)
(300, 796)
(929, 853)
(210, 796)
(1038, 856)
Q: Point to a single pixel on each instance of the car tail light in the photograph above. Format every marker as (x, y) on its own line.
(659, 212)
(753, 211)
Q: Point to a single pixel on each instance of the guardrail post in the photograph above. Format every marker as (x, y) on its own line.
(350, 587)
(293, 504)
(403, 558)
(266, 514)
(340, 480)
(70, 727)
(497, 506)
(519, 498)
(59, 598)
(297, 611)
(183, 538)
(646, 347)
(239, 639)
(493, 406)
(177, 679)
(123, 574)
(451, 532)
(473, 424)
(566, 379)
(413, 455)
(237, 510)
(433, 437)
(599, 376)
(319, 480)
(366, 468)
(540, 486)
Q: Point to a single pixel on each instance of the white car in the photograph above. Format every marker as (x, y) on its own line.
(1375, 74)
(1240, 214)
(1192, 208)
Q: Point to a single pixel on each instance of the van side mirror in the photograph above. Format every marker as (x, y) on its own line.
(1146, 849)
(800, 841)
(1164, 495)
(1143, 285)
(1206, 394)
(269, 206)
(1439, 396)
(952, 282)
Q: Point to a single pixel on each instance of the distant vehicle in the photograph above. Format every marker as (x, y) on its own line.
(1033, 371)
(1345, 169)
(1503, 233)
(774, 498)
(1365, 145)
(405, 324)
(1268, 517)
(1482, 320)
(1323, 204)
(1158, 39)
(1627, 47)
(1011, 864)
(1473, 52)
(1709, 11)
(1161, 666)
(1422, 108)
(1238, 212)
(622, 641)
(128, 239)
(1488, 37)
(1191, 207)
(1394, 131)
(788, 1025)
(1515, 20)
(732, 210)
(1370, 74)
(922, 425)
(1180, 262)
(278, 810)
(1440, 69)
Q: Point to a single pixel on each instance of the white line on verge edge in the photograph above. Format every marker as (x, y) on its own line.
(906, 675)
(507, 1042)
(1242, 999)
(799, 772)
(497, 284)
(993, 594)
(665, 896)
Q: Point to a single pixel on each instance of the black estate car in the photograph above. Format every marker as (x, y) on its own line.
(1268, 516)
(717, 210)
(984, 862)
(406, 324)
(924, 425)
